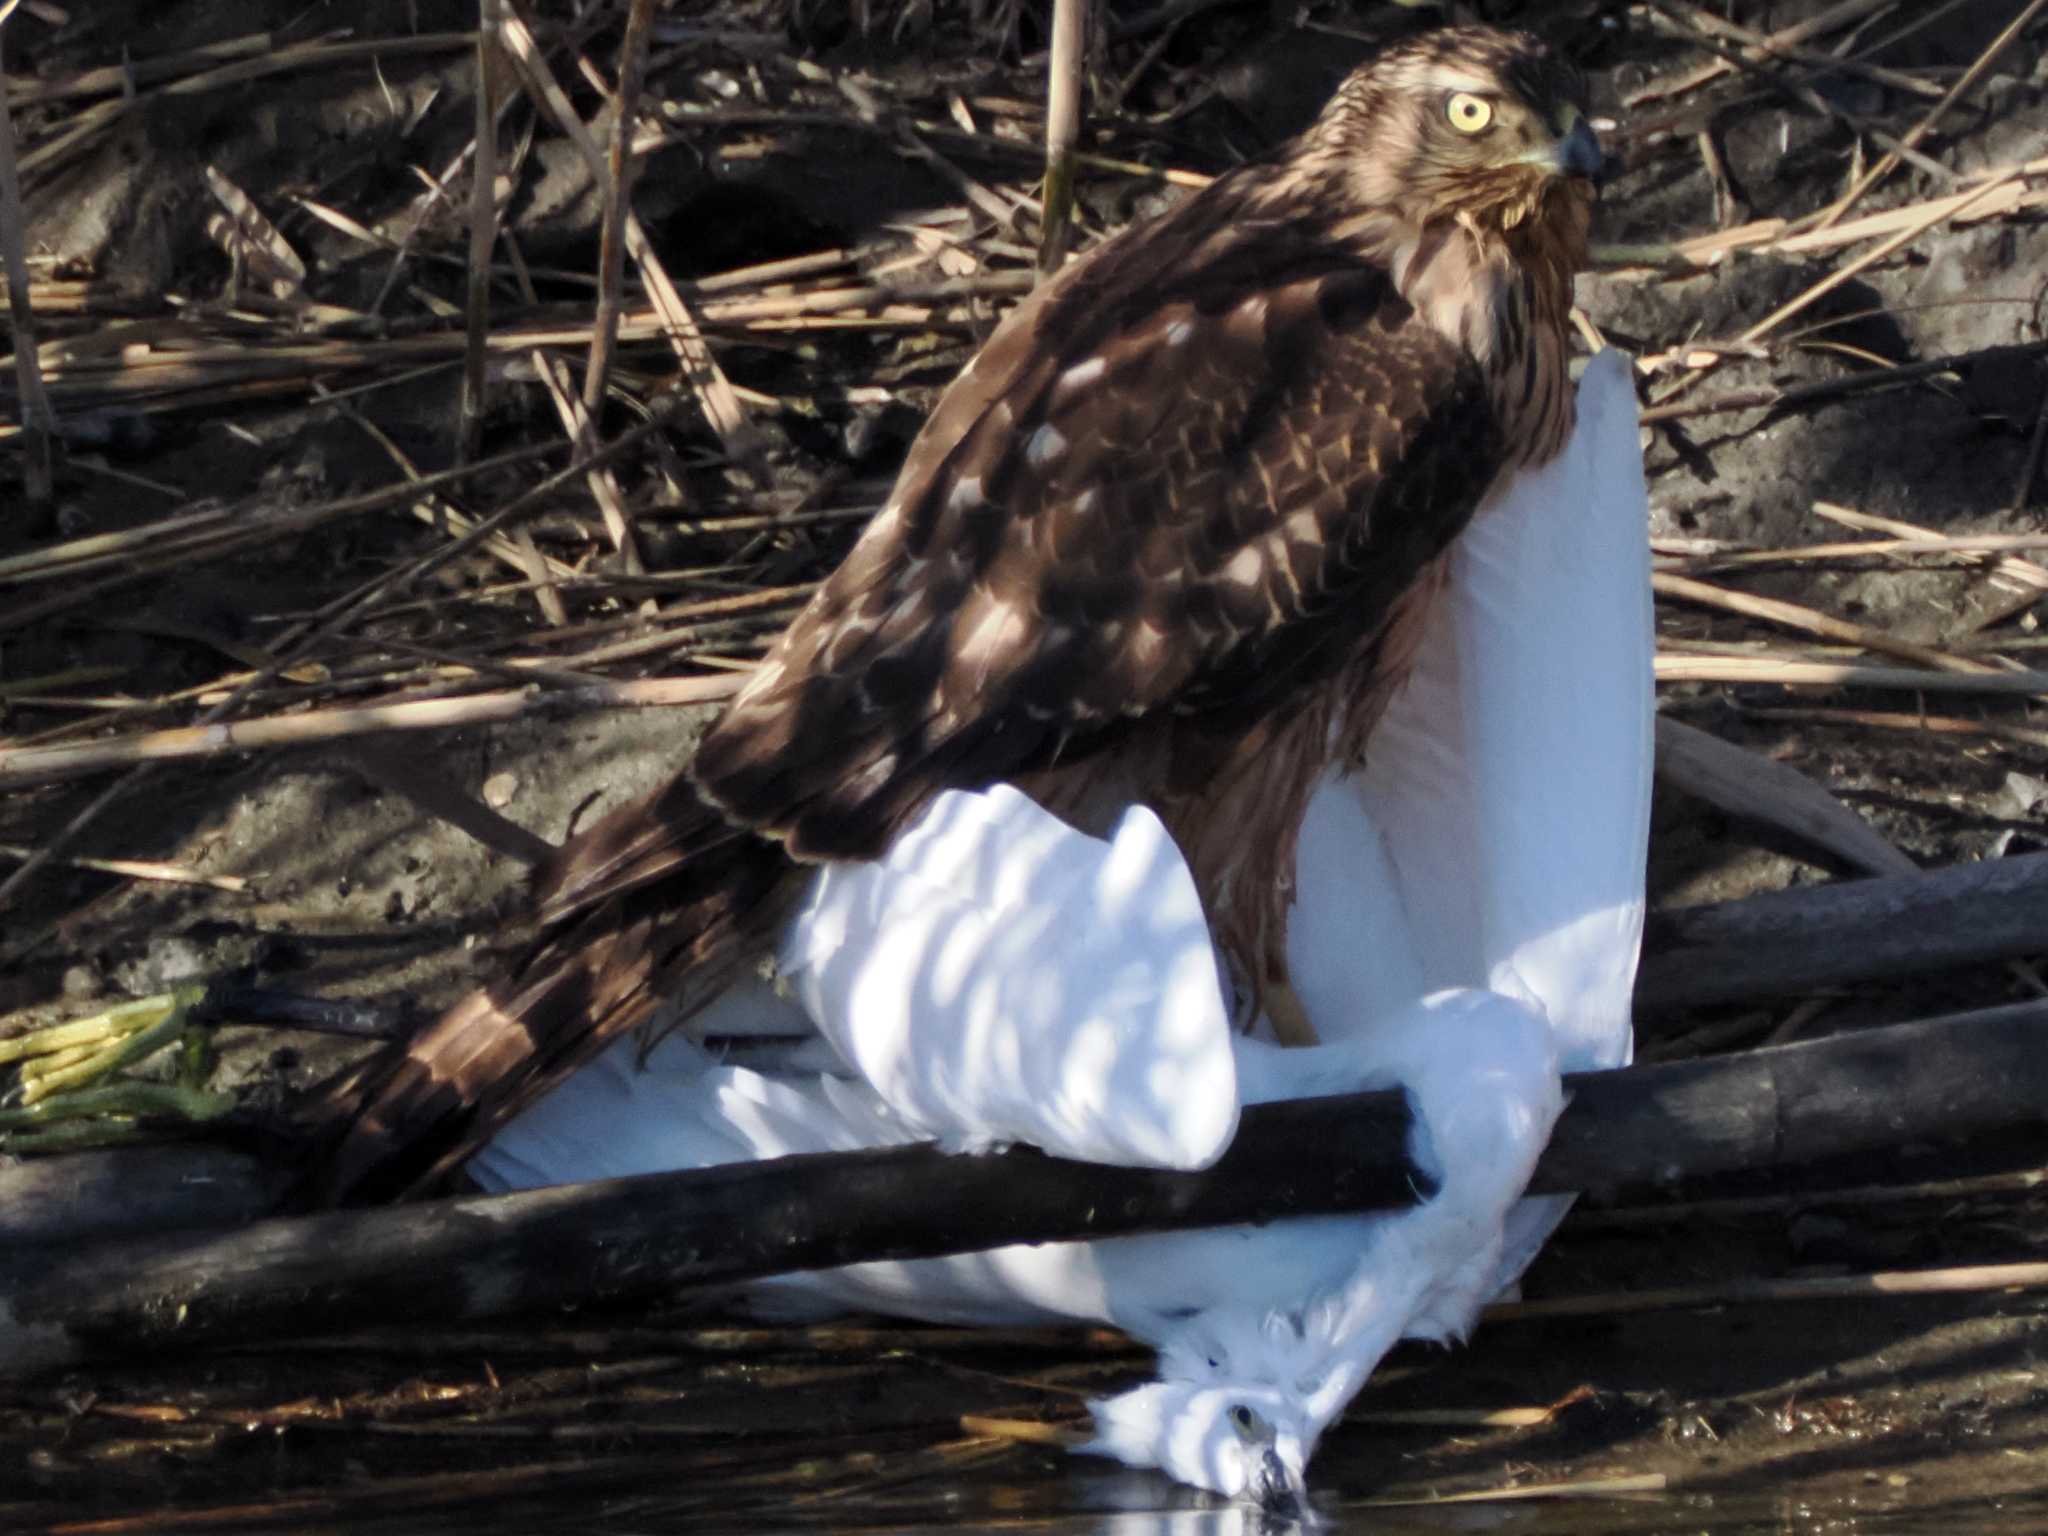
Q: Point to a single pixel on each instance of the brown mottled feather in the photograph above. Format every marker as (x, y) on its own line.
(1267, 447)
(658, 904)
(1169, 538)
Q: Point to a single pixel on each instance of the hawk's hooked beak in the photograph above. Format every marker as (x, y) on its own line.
(1578, 153)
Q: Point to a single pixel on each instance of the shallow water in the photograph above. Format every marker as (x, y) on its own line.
(1884, 1417)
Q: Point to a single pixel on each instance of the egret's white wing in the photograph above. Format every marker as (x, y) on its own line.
(1001, 977)
(1560, 720)
(1511, 777)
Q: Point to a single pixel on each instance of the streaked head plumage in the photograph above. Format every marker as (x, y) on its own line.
(1471, 119)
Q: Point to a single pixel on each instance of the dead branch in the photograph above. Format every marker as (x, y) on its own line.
(477, 1256)
(1776, 794)
(1851, 931)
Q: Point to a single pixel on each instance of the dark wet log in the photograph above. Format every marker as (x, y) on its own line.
(1864, 1091)
(1850, 931)
(128, 1190)
(485, 1256)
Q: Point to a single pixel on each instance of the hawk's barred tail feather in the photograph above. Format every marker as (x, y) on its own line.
(656, 906)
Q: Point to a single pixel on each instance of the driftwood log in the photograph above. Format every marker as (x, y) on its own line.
(482, 1256)
(83, 1196)
(1848, 931)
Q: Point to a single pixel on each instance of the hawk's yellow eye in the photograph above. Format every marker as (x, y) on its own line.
(1469, 113)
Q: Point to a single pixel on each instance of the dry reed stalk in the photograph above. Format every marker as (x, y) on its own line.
(1998, 192)
(541, 572)
(115, 79)
(1763, 47)
(721, 406)
(483, 227)
(1813, 674)
(684, 642)
(1583, 1488)
(767, 273)
(237, 71)
(1894, 720)
(1065, 68)
(295, 642)
(912, 138)
(604, 485)
(1934, 114)
(1063, 1437)
(1926, 216)
(97, 551)
(212, 370)
(1706, 32)
(37, 420)
(40, 765)
(1810, 621)
(1962, 1280)
(120, 550)
(1966, 548)
(1830, 20)
(2022, 573)
(618, 189)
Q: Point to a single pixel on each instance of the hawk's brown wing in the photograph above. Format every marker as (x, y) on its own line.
(1194, 474)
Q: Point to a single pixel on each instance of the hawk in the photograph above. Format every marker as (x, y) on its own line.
(1169, 538)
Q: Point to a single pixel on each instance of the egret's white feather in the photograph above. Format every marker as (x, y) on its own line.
(1469, 907)
(999, 977)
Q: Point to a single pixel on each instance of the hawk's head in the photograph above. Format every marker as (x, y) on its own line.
(1470, 122)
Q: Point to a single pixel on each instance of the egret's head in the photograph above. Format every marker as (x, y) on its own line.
(1240, 1440)
(1241, 1399)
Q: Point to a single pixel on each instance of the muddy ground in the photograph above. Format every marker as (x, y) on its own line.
(190, 378)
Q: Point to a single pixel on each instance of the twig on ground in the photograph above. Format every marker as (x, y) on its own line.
(138, 869)
(1925, 219)
(1827, 674)
(38, 765)
(721, 405)
(1811, 621)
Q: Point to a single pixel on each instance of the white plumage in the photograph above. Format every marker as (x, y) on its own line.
(1469, 908)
